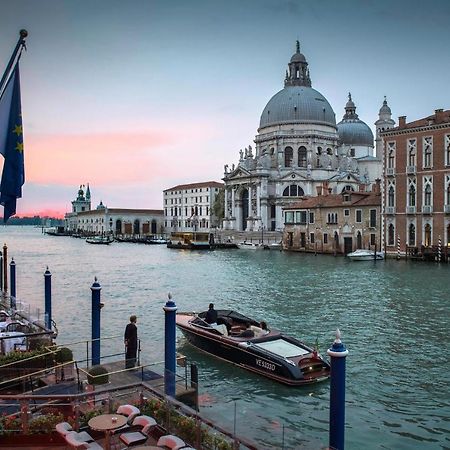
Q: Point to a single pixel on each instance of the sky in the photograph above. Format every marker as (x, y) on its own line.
(134, 97)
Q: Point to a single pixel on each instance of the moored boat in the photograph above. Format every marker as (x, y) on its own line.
(250, 246)
(365, 255)
(190, 240)
(269, 353)
(105, 240)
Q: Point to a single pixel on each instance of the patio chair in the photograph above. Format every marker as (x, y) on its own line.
(73, 442)
(130, 411)
(64, 427)
(137, 437)
(170, 441)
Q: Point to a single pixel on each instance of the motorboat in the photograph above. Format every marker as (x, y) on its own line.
(365, 255)
(105, 240)
(156, 240)
(250, 246)
(269, 353)
(190, 240)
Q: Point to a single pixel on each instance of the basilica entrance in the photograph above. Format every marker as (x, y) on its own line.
(245, 210)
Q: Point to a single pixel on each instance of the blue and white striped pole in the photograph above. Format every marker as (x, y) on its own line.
(338, 354)
(96, 305)
(170, 352)
(439, 249)
(48, 298)
(12, 269)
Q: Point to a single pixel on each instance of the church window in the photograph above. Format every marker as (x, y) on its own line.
(329, 151)
(288, 156)
(293, 191)
(391, 234)
(319, 150)
(302, 156)
(352, 152)
(427, 151)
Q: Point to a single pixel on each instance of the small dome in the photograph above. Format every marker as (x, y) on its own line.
(296, 104)
(298, 57)
(355, 132)
(385, 108)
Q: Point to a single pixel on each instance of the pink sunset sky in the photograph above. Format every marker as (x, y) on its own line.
(136, 97)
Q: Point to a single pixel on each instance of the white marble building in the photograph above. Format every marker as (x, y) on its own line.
(189, 207)
(298, 148)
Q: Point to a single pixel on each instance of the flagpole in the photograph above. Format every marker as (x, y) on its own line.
(19, 47)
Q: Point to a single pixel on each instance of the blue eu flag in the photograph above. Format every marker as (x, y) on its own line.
(11, 145)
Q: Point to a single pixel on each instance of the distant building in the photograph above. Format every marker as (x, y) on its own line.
(115, 221)
(189, 207)
(334, 223)
(417, 183)
(298, 147)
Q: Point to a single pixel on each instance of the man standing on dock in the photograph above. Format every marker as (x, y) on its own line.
(130, 338)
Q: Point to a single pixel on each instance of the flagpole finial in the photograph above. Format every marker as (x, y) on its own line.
(23, 33)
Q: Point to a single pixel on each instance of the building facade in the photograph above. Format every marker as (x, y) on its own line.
(115, 221)
(298, 147)
(334, 223)
(417, 184)
(189, 207)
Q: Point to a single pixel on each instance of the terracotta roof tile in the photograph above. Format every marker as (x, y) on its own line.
(337, 200)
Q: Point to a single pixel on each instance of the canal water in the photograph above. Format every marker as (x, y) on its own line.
(394, 317)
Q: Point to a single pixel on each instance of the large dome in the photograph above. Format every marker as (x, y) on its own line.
(297, 104)
(355, 132)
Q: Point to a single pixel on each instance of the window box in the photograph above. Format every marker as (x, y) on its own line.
(410, 210)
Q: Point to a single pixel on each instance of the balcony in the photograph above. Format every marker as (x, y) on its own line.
(410, 210)
(390, 209)
(447, 209)
(411, 170)
(390, 171)
(427, 209)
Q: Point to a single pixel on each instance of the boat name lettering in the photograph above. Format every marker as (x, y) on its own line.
(265, 364)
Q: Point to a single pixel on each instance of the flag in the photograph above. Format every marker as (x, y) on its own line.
(11, 145)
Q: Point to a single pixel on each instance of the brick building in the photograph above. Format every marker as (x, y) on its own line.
(416, 184)
(334, 223)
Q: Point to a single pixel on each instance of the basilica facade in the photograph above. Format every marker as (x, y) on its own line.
(298, 149)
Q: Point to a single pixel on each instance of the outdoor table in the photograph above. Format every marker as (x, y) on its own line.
(107, 423)
(148, 447)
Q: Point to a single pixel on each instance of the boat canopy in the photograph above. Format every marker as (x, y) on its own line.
(282, 348)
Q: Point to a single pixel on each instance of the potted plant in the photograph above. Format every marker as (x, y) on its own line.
(97, 375)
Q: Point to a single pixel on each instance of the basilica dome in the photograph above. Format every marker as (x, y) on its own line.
(352, 130)
(295, 104)
(298, 102)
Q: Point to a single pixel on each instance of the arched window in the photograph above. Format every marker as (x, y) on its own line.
(293, 191)
(288, 156)
(427, 197)
(412, 157)
(391, 197)
(302, 157)
(347, 188)
(329, 151)
(136, 226)
(411, 234)
(359, 240)
(391, 159)
(412, 196)
(391, 234)
(427, 237)
(118, 226)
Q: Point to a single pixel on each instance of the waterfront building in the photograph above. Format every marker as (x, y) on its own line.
(189, 207)
(81, 203)
(115, 221)
(298, 147)
(417, 184)
(334, 223)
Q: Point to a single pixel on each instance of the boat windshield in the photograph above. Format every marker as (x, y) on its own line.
(282, 348)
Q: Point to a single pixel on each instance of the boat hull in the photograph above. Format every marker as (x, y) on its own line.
(251, 358)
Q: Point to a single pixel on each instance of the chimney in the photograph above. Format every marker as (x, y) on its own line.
(402, 122)
(376, 188)
(319, 190)
(439, 115)
(362, 188)
(325, 188)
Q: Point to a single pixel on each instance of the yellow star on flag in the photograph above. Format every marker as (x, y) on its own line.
(19, 147)
(18, 130)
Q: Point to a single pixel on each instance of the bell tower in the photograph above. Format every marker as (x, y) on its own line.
(384, 122)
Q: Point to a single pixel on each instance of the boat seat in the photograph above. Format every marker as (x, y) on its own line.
(222, 329)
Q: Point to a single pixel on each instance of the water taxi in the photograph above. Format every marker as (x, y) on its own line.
(241, 340)
(365, 255)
